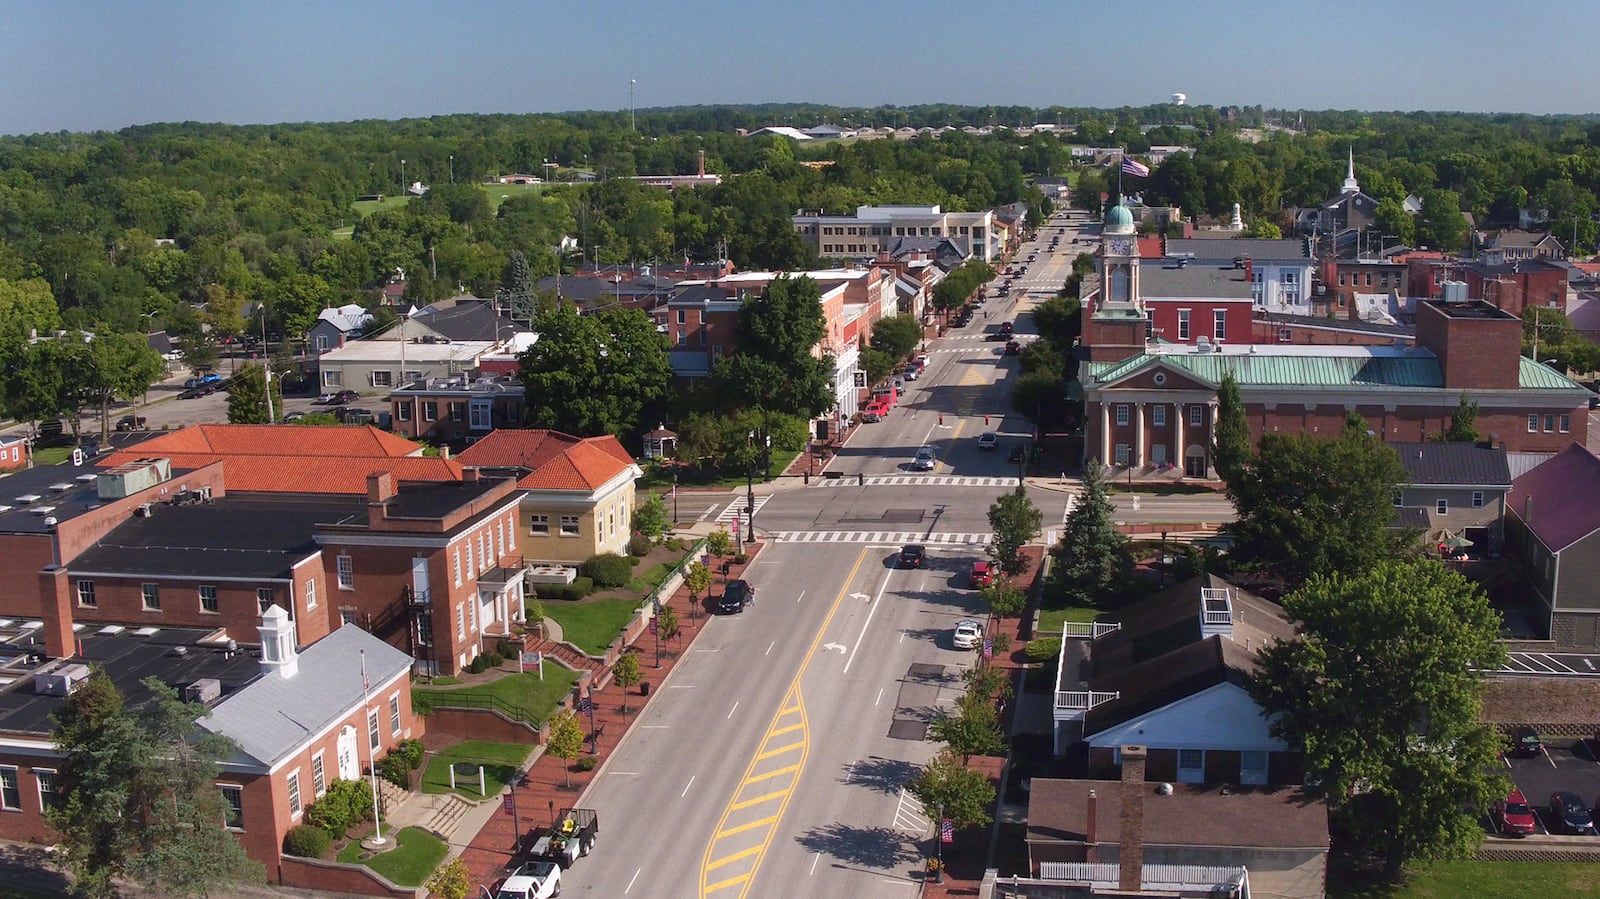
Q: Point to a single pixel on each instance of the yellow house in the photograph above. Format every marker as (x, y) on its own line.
(580, 495)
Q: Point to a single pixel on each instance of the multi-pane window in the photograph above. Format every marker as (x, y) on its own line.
(1183, 324)
(152, 597)
(500, 537)
(402, 411)
(374, 738)
(1566, 423)
(455, 565)
(10, 794)
(569, 525)
(1533, 422)
(1122, 413)
(1219, 326)
(458, 411)
(1549, 422)
(1123, 452)
(1441, 507)
(383, 379)
(86, 594)
(319, 776)
(46, 779)
(208, 598)
(430, 410)
(294, 794)
(1158, 416)
(347, 573)
(1477, 499)
(1194, 415)
(539, 525)
(232, 806)
(425, 630)
(394, 714)
(472, 564)
(264, 598)
(311, 595)
(461, 622)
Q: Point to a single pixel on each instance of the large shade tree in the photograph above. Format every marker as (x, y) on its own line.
(594, 374)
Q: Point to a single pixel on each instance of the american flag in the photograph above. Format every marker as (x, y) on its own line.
(1131, 166)
(947, 831)
(586, 704)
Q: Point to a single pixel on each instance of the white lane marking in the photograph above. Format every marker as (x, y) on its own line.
(686, 788)
(814, 860)
(635, 876)
(1589, 663)
(769, 648)
(801, 596)
(880, 697)
(902, 637)
(732, 710)
(876, 602)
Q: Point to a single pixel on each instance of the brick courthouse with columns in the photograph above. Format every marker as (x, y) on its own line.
(1150, 406)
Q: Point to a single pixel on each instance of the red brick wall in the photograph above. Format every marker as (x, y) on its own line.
(21, 558)
(1268, 331)
(26, 825)
(1474, 353)
(312, 874)
(121, 600)
(1202, 319)
(482, 724)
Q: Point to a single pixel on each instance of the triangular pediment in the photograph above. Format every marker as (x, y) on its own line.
(1155, 374)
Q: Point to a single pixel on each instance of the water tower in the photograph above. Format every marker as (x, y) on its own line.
(1180, 99)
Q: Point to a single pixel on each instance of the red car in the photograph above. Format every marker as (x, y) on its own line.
(982, 574)
(1005, 327)
(1513, 815)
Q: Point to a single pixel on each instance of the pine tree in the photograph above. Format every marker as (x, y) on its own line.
(1232, 447)
(247, 398)
(1092, 554)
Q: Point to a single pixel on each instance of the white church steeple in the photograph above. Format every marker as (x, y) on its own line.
(1350, 185)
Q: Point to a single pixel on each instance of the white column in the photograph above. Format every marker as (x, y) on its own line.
(1177, 438)
(1105, 432)
(1138, 456)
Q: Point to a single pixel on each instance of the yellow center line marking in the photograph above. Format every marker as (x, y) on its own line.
(779, 751)
(771, 774)
(766, 797)
(779, 733)
(793, 701)
(744, 827)
(724, 884)
(730, 859)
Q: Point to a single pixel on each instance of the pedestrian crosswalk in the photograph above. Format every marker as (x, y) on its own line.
(887, 537)
(912, 480)
(736, 509)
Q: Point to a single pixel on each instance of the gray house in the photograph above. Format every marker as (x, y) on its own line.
(1460, 489)
(1553, 528)
(335, 326)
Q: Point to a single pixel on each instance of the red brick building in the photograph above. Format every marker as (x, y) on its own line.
(456, 410)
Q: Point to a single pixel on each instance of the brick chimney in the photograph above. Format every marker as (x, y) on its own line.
(701, 169)
(1091, 827)
(55, 607)
(470, 475)
(1130, 871)
(380, 489)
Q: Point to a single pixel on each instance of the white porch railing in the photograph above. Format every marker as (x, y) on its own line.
(1082, 700)
(1090, 630)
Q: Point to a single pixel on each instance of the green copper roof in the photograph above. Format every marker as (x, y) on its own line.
(1272, 370)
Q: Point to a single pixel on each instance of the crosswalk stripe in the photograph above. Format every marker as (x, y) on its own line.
(736, 509)
(909, 480)
(888, 537)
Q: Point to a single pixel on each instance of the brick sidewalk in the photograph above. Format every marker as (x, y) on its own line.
(545, 790)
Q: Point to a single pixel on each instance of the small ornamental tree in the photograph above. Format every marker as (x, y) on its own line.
(650, 518)
(950, 789)
(974, 729)
(452, 881)
(566, 740)
(719, 542)
(1005, 599)
(697, 577)
(626, 672)
(1015, 521)
(667, 625)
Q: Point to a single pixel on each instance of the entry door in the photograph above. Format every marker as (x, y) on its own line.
(419, 577)
(1194, 466)
(349, 765)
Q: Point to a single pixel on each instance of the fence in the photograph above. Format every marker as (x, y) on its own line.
(425, 702)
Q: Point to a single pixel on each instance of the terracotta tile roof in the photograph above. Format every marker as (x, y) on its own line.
(279, 459)
(275, 440)
(1562, 490)
(1150, 248)
(551, 460)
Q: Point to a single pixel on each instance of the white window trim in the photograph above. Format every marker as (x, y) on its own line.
(200, 597)
(38, 786)
(534, 523)
(374, 731)
(145, 591)
(1478, 499)
(1441, 507)
(292, 792)
(577, 526)
(346, 568)
(93, 603)
(394, 714)
(223, 788)
(1122, 414)
(311, 595)
(1195, 413)
(1158, 416)
(1533, 422)
(16, 782)
(319, 774)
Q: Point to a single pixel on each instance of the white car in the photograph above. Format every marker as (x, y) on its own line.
(988, 440)
(968, 634)
(925, 460)
(534, 880)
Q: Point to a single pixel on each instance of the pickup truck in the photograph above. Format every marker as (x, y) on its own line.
(534, 880)
(562, 844)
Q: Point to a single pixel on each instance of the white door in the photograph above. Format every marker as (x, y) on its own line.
(419, 577)
(349, 765)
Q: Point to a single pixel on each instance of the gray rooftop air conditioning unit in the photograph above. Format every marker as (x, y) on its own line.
(1202, 344)
(61, 681)
(206, 690)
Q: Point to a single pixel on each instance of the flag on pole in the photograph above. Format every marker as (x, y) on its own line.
(1134, 167)
(947, 831)
(586, 704)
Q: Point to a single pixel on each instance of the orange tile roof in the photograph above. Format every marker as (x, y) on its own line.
(280, 459)
(553, 460)
(1151, 248)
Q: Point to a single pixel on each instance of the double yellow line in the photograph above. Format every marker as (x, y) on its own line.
(790, 718)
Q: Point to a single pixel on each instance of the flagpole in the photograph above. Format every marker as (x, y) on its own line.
(372, 754)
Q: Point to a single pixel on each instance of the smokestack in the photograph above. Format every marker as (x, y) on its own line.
(701, 171)
(1091, 829)
(1130, 868)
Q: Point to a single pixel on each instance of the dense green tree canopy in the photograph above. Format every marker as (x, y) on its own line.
(594, 374)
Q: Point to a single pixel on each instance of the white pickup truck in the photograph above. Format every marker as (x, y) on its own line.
(534, 880)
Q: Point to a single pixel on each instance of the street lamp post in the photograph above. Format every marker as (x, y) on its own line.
(674, 496)
(632, 122)
(655, 626)
(402, 177)
(1163, 560)
(750, 504)
(938, 845)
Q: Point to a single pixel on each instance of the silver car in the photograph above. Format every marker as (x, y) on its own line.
(925, 460)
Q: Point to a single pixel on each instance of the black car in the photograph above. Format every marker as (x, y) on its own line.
(1015, 455)
(735, 596)
(1006, 327)
(1525, 743)
(132, 423)
(997, 335)
(1013, 348)
(1569, 814)
(912, 555)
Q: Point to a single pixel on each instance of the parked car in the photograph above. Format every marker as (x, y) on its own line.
(1569, 814)
(912, 555)
(911, 373)
(1006, 327)
(345, 396)
(925, 460)
(1525, 743)
(355, 416)
(735, 596)
(968, 634)
(873, 412)
(1512, 815)
(982, 574)
(325, 399)
(988, 440)
(131, 423)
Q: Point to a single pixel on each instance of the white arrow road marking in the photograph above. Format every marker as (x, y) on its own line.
(832, 646)
(861, 596)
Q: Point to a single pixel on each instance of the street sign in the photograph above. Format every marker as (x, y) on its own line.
(533, 661)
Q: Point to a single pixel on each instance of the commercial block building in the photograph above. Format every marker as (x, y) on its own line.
(872, 228)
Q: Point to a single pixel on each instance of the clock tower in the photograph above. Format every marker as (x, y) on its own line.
(1117, 327)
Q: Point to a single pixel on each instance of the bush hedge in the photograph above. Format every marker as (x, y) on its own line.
(607, 569)
(345, 804)
(587, 763)
(396, 769)
(578, 589)
(1043, 649)
(307, 841)
(640, 545)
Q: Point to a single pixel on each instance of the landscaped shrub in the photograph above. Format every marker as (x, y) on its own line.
(307, 841)
(477, 664)
(607, 569)
(639, 545)
(677, 544)
(345, 804)
(413, 751)
(1043, 649)
(578, 589)
(396, 769)
(587, 763)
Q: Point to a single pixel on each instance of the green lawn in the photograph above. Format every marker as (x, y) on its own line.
(1489, 880)
(365, 208)
(499, 193)
(523, 696)
(1051, 620)
(662, 477)
(409, 863)
(500, 762)
(52, 455)
(591, 626)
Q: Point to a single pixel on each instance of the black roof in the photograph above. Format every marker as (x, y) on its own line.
(128, 655)
(30, 497)
(1455, 464)
(1352, 325)
(465, 319)
(438, 499)
(232, 536)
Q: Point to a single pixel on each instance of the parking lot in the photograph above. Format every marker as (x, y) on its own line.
(1567, 664)
(1565, 764)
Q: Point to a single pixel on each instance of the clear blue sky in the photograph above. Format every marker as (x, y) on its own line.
(113, 63)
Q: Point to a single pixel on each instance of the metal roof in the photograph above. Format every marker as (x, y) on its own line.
(1376, 370)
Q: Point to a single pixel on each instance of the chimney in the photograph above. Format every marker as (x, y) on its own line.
(701, 170)
(55, 607)
(380, 487)
(1130, 868)
(1091, 829)
(469, 475)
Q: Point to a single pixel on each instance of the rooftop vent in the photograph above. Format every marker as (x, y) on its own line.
(206, 690)
(61, 681)
(28, 499)
(60, 488)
